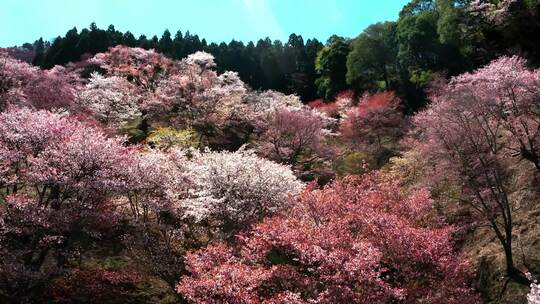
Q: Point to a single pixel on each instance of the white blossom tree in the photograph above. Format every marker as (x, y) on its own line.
(112, 99)
(235, 188)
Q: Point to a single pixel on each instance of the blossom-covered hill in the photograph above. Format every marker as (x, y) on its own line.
(130, 177)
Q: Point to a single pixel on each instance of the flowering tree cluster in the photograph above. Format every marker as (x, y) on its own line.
(509, 94)
(13, 75)
(186, 94)
(23, 84)
(66, 181)
(290, 133)
(374, 125)
(474, 127)
(355, 241)
(236, 188)
(294, 136)
(338, 108)
(113, 100)
(55, 177)
(142, 67)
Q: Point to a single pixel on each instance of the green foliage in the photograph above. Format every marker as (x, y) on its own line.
(421, 78)
(356, 163)
(418, 40)
(134, 129)
(373, 57)
(165, 138)
(331, 65)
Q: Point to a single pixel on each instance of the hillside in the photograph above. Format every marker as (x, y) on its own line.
(401, 166)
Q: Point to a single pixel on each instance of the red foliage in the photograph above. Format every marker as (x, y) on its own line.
(374, 125)
(355, 241)
(330, 109)
(348, 94)
(316, 103)
(379, 102)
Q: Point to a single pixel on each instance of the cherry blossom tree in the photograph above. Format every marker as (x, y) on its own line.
(509, 92)
(355, 241)
(24, 85)
(271, 101)
(534, 295)
(56, 178)
(196, 97)
(112, 99)
(469, 131)
(235, 188)
(142, 67)
(203, 60)
(153, 189)
(183, 198)
(14, 75)
(289, 134)
(52, 89)
(374, 125)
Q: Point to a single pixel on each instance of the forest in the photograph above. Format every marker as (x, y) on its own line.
(398, 166)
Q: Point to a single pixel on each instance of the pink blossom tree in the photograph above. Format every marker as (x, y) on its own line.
(355, 241)
(472, 128)
(24, 85)
(142, 67)
(52, 89)
(14, 75)
(296, 137)
(56, 178)
(509, 92)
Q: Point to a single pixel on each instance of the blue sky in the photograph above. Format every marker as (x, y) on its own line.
(216, 20)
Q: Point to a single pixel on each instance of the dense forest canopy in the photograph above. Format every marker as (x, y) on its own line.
(400, 166)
